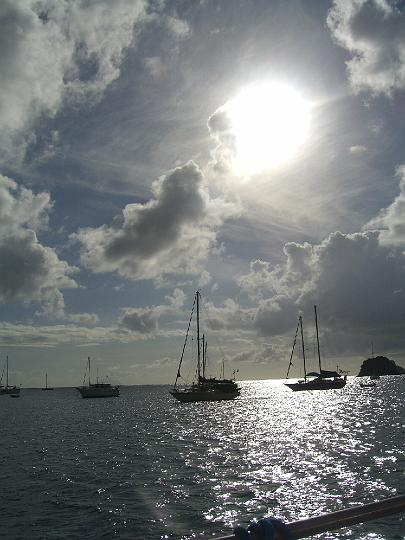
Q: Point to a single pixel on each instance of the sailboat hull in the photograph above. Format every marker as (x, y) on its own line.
(99, 391)
(197, 394)
(317, 384)
(14, 390)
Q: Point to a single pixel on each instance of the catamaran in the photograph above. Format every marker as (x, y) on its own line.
(204, 388)
(324, 380)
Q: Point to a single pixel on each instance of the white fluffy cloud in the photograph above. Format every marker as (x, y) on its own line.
(391, 220)
(171, 234)
(57, 50)
(29, 271)
(373, 31)
(357, 282)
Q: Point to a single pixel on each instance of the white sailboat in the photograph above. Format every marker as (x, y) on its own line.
(324, 380)
(204, 388)
(98, 389)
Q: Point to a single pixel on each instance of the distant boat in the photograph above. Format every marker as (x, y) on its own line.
(324, 380)
(98, 389)
(368, 384)
(374, 376)
(9, 389)
(46, 383)
(204, 388)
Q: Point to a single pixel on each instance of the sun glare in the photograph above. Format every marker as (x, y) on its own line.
(269, 123)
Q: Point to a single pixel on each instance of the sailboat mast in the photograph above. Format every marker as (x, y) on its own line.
(303, 348)
(293, 347)
(317, 341)
(88, 359)
(46, 380)
(198, 337)
(204, 358)
(6, 371)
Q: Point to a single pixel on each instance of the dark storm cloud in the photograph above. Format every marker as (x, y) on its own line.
(373, 31)
(170, 234)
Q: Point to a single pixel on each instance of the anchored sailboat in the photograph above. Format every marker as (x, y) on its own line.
(9, 389)
(204, 388)
(324, 380)
(46, 383)
(98, 389)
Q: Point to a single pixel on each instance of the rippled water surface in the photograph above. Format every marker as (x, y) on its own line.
(144, 466)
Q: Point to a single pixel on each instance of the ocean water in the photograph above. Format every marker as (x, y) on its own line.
(143, 466)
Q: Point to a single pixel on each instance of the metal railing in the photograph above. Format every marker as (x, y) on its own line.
(342, 518)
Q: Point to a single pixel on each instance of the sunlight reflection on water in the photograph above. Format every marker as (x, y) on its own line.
(295, 455)
(145, 466)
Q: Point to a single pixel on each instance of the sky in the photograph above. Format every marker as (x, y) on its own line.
(252, 150)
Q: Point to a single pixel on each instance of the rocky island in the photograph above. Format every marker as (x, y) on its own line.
(380, 365)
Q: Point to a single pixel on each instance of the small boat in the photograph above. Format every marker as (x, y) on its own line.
(98, 389)
(46, 383)
(368, 384)
(204, 388)
(9, 389)
(374, 376)
(324, 380)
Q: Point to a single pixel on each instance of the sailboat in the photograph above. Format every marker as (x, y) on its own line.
(46, 383)
(374, 376)
(204, 388)
(9, 389)
(98, 389)
(324, 380)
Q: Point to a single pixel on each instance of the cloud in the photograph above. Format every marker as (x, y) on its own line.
(54, 52)
(373, 31)
(178, 27)
(154, 65)
(357, 281)
(83, 318)
(171, 234)
(29, 271)
(58, 334)
(220, 128)
(358, 149)
(391, 220)
(145, 320)
(228, 317)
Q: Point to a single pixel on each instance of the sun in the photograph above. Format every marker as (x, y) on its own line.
(269, 123)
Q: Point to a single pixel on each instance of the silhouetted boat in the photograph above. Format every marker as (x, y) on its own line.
(97, 390)
(374, 376)
(9, 389)
(46, 383)
(204, 388)
(324, 380)
(368, 384)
